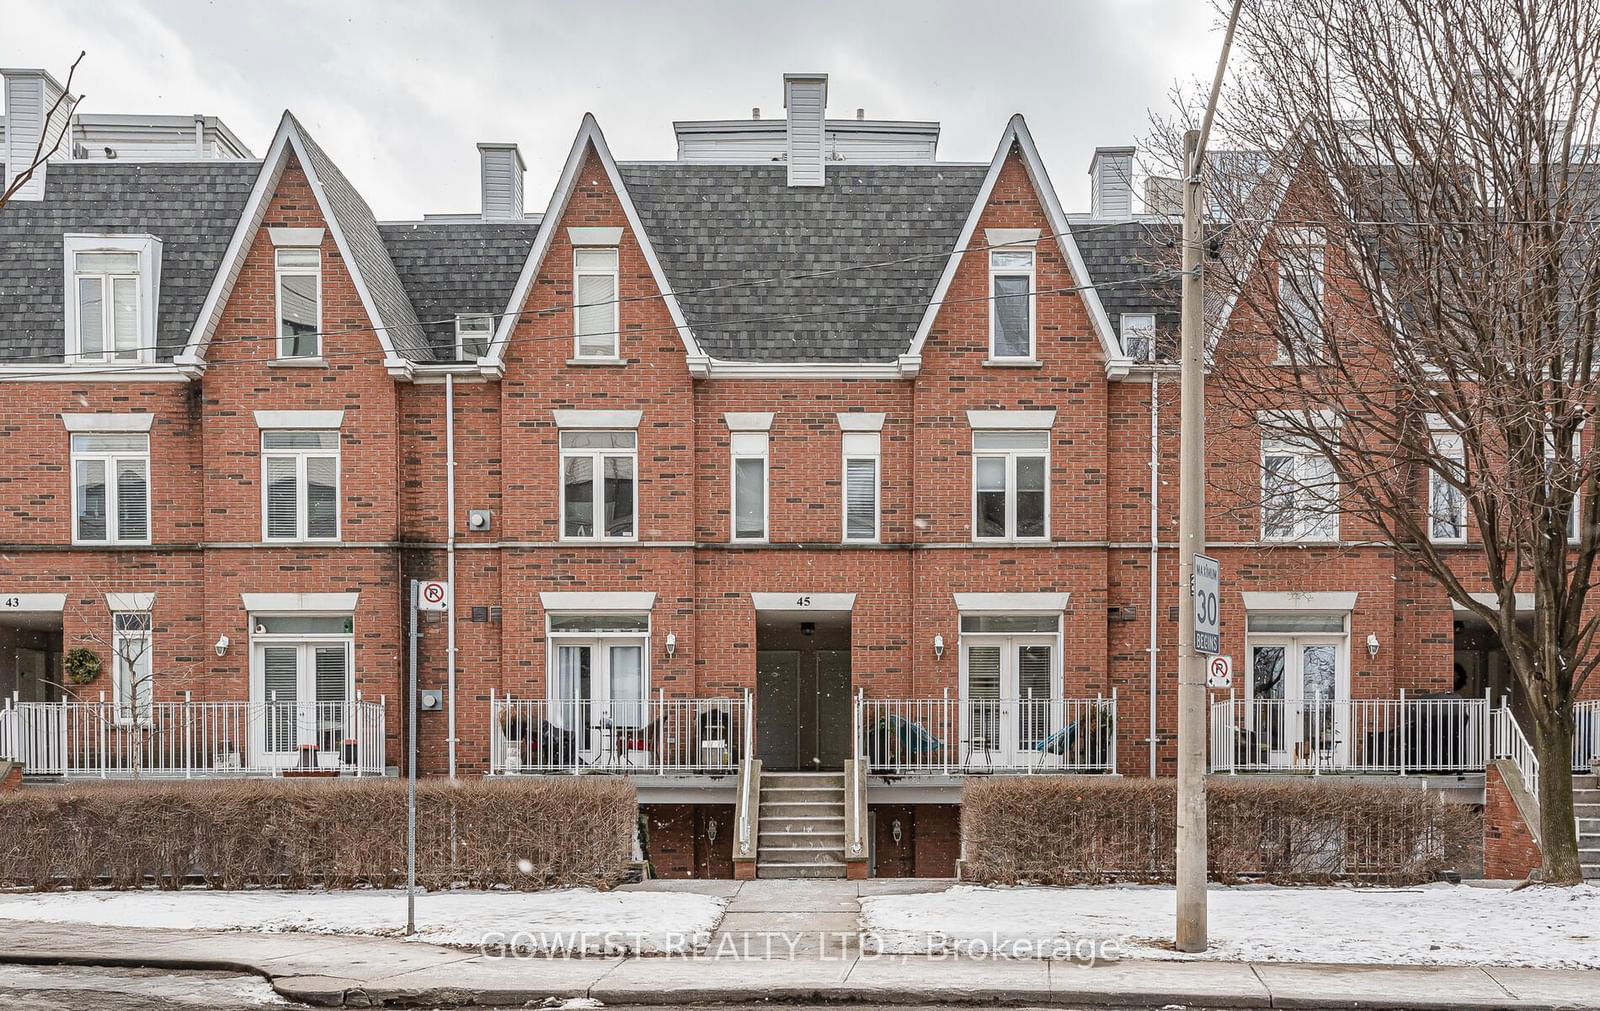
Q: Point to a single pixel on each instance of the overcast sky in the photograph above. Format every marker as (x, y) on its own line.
(398, 92)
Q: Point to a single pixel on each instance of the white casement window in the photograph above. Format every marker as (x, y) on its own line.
(300, 485)
(862, 461)
(110, 300)
(1139, 336)
(299, 286)
(598, 490)
(1011, 314)
(111, 488)
(748, 465)
(1010, 485)
(1447, 506)
(1301, 265)
(1549, 469)
(1299, 493)
(595, 317)
(132, 669)
(474, 331)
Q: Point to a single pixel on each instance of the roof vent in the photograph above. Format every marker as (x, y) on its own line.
(755, 113)
(502, 181)
(33, 115)
(805, 96)
(1111, 182)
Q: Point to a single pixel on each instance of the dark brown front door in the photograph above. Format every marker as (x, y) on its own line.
(802, 709)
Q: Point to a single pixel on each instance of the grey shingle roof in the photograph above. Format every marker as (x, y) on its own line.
(1120, 257)
(371, 257)
(451, 268)
(721, 224)
(190, 206)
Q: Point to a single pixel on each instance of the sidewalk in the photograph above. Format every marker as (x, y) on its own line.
(363, 972)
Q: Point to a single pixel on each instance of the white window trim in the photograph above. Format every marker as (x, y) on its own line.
(137, 714)
(1032, 272)
(1305, 531)
(600, 644)
(295, 236)
(1435, 479)
(113, 514)
(279, 272)
(859, 446)
(1295, 246)
(299, 419)
(302, 493)
(616, 307)
(735, 454)
(1147, 322)
(1010, 456)
(105, 422)
(597, 420)
(464, 317)
(300, 603)
(148, 248)
(1012, 420)
(1575, 516)
(598, 479)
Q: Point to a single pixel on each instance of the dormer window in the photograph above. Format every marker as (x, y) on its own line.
(111, 298)
(299, 283)
(474, 332)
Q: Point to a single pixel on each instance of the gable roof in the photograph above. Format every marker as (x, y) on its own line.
(457, 267)
(743, 230)
(190, 206)
(354, 231)
(1016, 133)
(589, 136)
(1121, 257)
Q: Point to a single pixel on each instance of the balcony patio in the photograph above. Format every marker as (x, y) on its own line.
(651, 736)
(194, 740)
(975, 736)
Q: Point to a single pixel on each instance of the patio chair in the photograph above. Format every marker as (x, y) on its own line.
(896, 740)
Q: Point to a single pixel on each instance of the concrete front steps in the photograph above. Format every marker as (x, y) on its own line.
(1586, 808)
(800, 825)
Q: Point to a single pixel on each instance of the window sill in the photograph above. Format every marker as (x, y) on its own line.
(599, 540)
(273, 542)
(1301, 542)
(597, 361)
(297, 363)
(111, 544)
(1032, 541)
(1012, 363)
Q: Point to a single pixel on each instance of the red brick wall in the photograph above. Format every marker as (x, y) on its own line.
(1509, 850)
(930, 840)
(680, 844)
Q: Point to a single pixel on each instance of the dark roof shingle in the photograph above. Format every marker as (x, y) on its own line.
(457, 267)
(1131, 264)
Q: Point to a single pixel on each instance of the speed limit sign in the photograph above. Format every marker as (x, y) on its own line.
(1206, 590)
(433, 595)
(1219, 672)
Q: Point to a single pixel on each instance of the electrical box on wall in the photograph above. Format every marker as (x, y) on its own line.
(478, 520)
(430, 700)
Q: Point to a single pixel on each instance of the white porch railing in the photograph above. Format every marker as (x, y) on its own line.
(193, 739)
(1585, 735)
(1510, 743)
(956, 737)
(654, 735)
(1416, 735)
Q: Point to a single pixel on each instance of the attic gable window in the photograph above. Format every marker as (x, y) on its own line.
(299, 286)
(595, 315)
(1138, 336)
(474, 332)
(1012, 304)
(110, 302)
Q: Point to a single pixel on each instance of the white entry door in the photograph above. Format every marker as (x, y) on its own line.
(302, 695)
(599, 699)
(1298, 712)
(1010, 699)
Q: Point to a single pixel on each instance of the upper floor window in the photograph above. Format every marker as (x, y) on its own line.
(595, 302)
(1012, 302)
(474, 332)
(862, 458)
(749, 465)
(1299, 493)
(1301, 264)
(112, 282)
(299, 284)
(1139, 336)
(597, 484)
(1010, 480)
(1447, 505)
(111, 488)
(300, 485)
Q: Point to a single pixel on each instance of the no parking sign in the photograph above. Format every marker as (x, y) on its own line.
(1219, 672)
(433, 595)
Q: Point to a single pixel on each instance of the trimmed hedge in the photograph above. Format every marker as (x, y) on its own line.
(1088, 830)
(521, 834)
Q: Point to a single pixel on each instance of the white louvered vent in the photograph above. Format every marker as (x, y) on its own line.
(502, 181)
(29, 96)
(1111, 182)
(805, 96)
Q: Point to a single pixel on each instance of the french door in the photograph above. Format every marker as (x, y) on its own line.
(1298, 716)
(302, 690)
(1010, 695)
(598, 699)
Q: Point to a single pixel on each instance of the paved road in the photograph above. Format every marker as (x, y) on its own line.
(59, 988)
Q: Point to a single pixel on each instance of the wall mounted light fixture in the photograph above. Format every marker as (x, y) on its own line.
(896, 831)
(672, 644)
(938, 646)
(1372, 644)
(222, 645)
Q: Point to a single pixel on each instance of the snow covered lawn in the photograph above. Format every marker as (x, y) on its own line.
(1427, 925)
(566, 920)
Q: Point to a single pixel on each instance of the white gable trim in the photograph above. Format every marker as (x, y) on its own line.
(1116, 364)
(588, 133)
(286, 139)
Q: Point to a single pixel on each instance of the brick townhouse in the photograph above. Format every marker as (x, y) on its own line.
(803, 446)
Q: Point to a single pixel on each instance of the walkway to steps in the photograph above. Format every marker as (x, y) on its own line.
(792, 919)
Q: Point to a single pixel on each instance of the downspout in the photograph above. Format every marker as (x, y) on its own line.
(450, 561)
(1155, 548)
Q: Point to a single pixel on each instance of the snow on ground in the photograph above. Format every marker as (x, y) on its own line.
(565, 920)
(1428, 925)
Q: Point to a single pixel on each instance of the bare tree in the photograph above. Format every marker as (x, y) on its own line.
(1412, 299)
(50, 141)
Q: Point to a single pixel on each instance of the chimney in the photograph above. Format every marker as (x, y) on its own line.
(1163, 195)
(502, 181)
(805, 96)
(29, 96)
(1111, 182)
